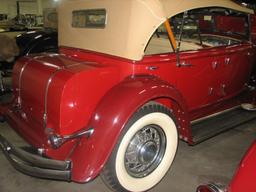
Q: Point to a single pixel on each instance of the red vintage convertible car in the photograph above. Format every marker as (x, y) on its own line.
(244, 178)
(131, 78)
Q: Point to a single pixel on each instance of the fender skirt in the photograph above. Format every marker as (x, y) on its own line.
(110, 117)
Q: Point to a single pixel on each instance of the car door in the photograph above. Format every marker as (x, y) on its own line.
(237, 65)
(197, 78)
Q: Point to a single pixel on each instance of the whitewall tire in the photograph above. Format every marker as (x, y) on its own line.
(144, 152)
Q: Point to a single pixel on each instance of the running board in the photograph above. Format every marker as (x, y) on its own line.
(206, 128)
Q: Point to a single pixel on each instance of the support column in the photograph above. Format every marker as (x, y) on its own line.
(39, 7)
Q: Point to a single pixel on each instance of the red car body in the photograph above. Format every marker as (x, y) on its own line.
(61, 94)
(116, 81)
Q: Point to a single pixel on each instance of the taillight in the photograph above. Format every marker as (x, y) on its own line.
(210, 188)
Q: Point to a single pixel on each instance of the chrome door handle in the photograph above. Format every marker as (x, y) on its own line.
(214, 64)
(152, 68)
(227, 60)
(223, 89)
(184, 64)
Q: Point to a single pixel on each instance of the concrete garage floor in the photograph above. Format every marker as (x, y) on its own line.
(213, 160)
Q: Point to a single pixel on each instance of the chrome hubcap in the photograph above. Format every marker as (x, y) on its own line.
(145, 151)
(148, 152)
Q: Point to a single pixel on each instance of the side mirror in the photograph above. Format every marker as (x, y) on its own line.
(210, 188)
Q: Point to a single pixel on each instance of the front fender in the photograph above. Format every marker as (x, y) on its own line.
(110, 117)
(244, 178)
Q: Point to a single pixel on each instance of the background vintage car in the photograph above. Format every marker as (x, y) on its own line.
(42, 40)
(35, 41)
(117, 98)
(30, 42)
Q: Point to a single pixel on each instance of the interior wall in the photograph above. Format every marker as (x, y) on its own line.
(49, 3)
(8, 7)
(28, 8)
(3, 6)
(33, 7)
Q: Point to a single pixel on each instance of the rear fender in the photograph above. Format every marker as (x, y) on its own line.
(112, 114)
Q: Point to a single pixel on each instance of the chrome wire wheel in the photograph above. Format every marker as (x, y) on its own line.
(145, 151)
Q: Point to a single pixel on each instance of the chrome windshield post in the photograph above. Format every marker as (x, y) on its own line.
(185, 15)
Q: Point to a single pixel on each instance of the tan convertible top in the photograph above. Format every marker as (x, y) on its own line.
(130, 23)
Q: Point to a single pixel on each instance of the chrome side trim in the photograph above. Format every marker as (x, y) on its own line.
(214, 115)
(152, 68)
(46, 94)
(20, 77)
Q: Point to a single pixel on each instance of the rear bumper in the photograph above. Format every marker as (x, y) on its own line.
(35, 165)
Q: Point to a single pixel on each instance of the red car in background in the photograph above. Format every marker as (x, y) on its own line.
(232, 24)
(253, 28)
(244, 178)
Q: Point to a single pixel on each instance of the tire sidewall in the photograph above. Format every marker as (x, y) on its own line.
(167, 124)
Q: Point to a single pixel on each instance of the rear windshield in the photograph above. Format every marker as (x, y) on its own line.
(89, 18)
